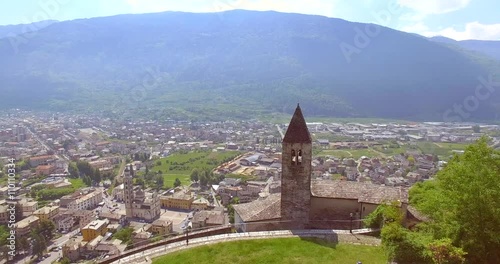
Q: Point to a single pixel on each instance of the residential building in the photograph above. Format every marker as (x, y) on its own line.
(64, 222)
(25, 226)
(83, 217)
(182, 199)
(87, 200)
(29, 206)
(206, 218)
(200, 204)
(161, 227)
(39, 160)
(94, 229)
(4, 214)
(46, 212)
(72, 249)
(45, 170)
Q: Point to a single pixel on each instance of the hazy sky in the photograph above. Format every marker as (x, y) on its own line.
(457, 19)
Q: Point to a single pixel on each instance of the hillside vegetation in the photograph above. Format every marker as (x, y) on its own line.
(238, 64)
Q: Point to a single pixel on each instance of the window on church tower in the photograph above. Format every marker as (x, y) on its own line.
(294, 158)
(299, 157)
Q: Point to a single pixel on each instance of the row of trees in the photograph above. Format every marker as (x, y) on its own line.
(205, 177)
(89, 175)
(463, 206)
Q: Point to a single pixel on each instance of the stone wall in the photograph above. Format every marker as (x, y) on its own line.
(296, 184)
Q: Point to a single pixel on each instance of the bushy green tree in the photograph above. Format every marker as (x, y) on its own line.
(73, 170)
(177, 182)
(195, 175)
(463, 203)
(159, 181)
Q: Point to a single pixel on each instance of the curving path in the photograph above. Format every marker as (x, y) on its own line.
(343, 236)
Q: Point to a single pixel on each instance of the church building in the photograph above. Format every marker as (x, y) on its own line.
(138, 203)
(308, 204)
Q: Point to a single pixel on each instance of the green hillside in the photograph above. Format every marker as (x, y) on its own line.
(238, 64)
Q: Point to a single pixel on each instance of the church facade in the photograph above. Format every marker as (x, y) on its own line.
(307, 204)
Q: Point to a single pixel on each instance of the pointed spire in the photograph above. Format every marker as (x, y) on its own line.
(297, 131)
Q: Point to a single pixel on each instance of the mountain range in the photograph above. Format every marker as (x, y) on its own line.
(242, 64)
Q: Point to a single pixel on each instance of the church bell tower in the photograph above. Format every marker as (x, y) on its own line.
(296, 173)
(128, 191)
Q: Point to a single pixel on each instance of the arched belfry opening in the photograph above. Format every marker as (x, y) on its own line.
(294, 157)
(299, 157)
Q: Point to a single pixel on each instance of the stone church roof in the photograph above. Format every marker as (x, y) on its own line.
(297, 131)
(262, 209)
(363, 192)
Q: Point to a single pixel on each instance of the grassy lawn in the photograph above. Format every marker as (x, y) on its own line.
(278, 250)
(391, 151)
(332, 137)
(169, 179)
(180, 165)
(435, 148)
(336, 176)
(453, 146)
(77, 183)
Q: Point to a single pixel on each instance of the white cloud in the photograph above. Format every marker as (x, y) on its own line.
(434, 6)
(473, 30)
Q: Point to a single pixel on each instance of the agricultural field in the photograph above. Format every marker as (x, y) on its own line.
(443, 150)
(180, 165)
(349, 153)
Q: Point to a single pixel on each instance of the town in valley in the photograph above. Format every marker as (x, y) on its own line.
(92, 187)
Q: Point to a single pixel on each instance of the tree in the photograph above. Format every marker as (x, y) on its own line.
(411, 160)
(124, 234)
(159, 181)
(442, 251)
(46, 229)
(476, 129)
(139, 181)
(96, 176)
(73, 170)
(203, 180)
(22, 244)
(195, 175)
(65, 260)
(39, 244)
(463, 203)
(177, 182)
(86, 179)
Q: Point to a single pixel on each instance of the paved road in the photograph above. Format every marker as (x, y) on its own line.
(57, 243)
(53, 257)
(216, 202)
